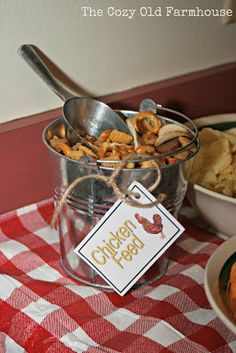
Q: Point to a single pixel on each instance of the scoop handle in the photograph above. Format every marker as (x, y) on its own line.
(27, 52)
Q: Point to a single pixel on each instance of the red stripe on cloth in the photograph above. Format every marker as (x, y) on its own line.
(46, 210)
(120, 301)
(9, 268)
(47, 253)
(40, 341)
(197, 294)
(41, 288)
(13, 228)
(182, 324)
(202, 337)
(16, 324)
(81, 312)
(163, 310)
(183, 257)
(7, 314)
(141, 306)
(121, 341)
(146, 345)
(179, 281)
(93, 329)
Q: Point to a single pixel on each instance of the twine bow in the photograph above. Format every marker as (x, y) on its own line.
(111, 182)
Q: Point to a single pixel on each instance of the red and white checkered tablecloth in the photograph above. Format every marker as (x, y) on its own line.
(42, 310)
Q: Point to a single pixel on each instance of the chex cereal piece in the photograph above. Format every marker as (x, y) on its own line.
(87, 151)
(121, 137)
(111, 158)
(73, 154)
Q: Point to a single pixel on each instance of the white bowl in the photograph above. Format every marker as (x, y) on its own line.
(213, 269)
(217, 210)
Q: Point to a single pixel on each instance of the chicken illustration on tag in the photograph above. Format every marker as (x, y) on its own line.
(154, 227)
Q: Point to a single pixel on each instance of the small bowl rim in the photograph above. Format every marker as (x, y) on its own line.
(214, 119)
(215, 194)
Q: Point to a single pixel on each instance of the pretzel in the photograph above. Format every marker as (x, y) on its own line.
(76, 146)
(184, 141)
(123, 149)
(60, 145)
(181, 155)
(147, 121)
(104, 135)
(149, 138)
(105, 146)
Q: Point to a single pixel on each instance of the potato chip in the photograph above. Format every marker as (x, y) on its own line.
(207, 178)
(231, 131)
(218, 155)
(214, 167)
(208, 135)
(231, 138)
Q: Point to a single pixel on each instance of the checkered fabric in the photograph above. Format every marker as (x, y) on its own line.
(42, 310)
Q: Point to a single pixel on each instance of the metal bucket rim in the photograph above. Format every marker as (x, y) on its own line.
(96, 163)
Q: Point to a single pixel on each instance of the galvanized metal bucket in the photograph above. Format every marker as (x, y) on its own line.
(89, 202)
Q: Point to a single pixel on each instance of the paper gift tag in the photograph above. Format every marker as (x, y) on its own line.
(128, 240)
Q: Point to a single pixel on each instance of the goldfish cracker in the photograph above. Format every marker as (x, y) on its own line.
(130, 165)
(146, 164)
(232, 292)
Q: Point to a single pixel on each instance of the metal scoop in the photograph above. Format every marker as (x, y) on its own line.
(81, 113)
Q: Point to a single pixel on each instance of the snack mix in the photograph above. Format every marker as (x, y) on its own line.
(149, 136)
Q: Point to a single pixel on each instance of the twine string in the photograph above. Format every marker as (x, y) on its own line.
(110, 181)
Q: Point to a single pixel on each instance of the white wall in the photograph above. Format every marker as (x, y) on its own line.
(104, 54)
